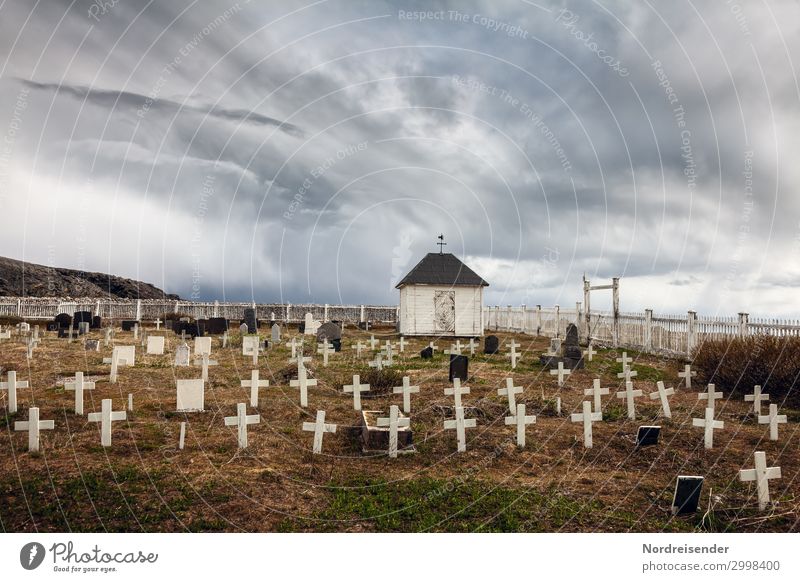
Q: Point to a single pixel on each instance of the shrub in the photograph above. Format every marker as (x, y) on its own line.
(380, 381)
(737, 364)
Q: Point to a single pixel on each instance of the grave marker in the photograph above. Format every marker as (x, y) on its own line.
(756, 398)
(394, 422)
(761, 474)
(513, 353)
(708, 424)
(663, 395)
(378, 362)
(320, 428)
(456, 391)
(773, 419)
(254, 384)
(589, 352)
(687, 494)
(710, 395)
(302, 382)
(627, 373)
(11, 385)
(205, 362)
(521, 421)
(647, 436)
(240, 421)
(33, 425)
(182, 355)
(155, 345)
(356, 388)
(459, 368)
(182, 438)
(105, 418)
(190, 395)
(407, 390)
(78, 385)
(460, 424)
(324, 348)
(358, 348)
(587, 417)
(625, 360)
(596, 392)
(687, 374)
(629, 394)
(202, 345)
(561, 372)
(509, 392)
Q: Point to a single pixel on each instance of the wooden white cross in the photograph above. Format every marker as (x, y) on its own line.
(158, 323)
(205, 362)
(406, 389)
(293, 345)
(182, 437)
(130, 402)
(297, 356)
(625, 360)
(662, 394)
(756, 398)
(454, 350)
(356, 388)
(472, 346)
(513, 354)
(320, 428)
(378, 363)
(372, 342)
(225, 339)
(627, 373)
(629, 394)
(105, 418)
(562, 372)
(460, 424)
(521, 421)
(597, 393)
(394, 422)
(33, 425)
(78, 385)
(711, 396)
(709, 424)
(254, 384)
(456, 391)
(401, 344)
(509, 392)
(256, 348)
(589, 352)
(11, 385)
(773, 419)
(324, 349)
(358, 347)
(587, 417)
(433, 347)
(388, 349)
(687, 374)
(303, 383)
(240, 421)
(107, 336)
(761, 475)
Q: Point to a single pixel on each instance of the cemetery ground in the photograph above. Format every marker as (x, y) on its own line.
(144, 483)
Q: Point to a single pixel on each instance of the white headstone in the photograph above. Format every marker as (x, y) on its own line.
(520, 420)
(773, 419)
(105, 418)
(761, 474)
(155, 345)
(597, 393)
(33, 425)
(11, 385)
(250, 344)
(510, 392)
(628, 395)
(182, 355)
(663, 395)
(275, 333)
(78, 385)
(757, 397)
(406, 390)
(394, 422)
(587, 417)
(460, 424)
(202, 345)
(319, 428)
(356, 388)
(708, 424)
(241, 420)
(191, 395)
(311, 326)
(456, 391)
(254, 384)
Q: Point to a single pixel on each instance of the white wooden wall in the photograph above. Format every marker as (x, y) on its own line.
(417, 312)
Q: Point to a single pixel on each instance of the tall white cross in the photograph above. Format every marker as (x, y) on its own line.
(521, 421)
(158, 323)
(303, 383)
(472, 346)
(372, 342)
(33, 425)
(298, 356)
(205, 362)
(687, 374)
(105, 418)
(11, 385)
(240, 421)
(358, 348)
(589, 352)
(254, 384)
(773, 419)
(460, 424)
(757, 397)
(256, 348)
(378, 362)
(627, 373)
(394, 422)
(389, 353)
(562, 372)
(406, 389)
(629, 394)
(761, 474)
(587, 417)
(78, 385)
(512, 345)
(293, 345)
(509, 392)
(624, 360)
(456, 391)
(596, 392)
(320, 428)
(710, 395)
(356, 388)
(324, 348)
(401, 344)
(709, 424)
(663, 394)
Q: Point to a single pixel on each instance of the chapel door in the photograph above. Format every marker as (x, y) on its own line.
(444, 312)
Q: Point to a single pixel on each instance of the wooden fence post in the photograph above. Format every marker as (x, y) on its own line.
(587, 307)
(615, 299)
(558, 321)
(138, 310)
(538, 320)
(578, 318)
(691, 338)
(744, 321)
(524, 317)
(648, 330)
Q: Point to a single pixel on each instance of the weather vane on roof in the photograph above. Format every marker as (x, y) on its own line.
(441, 243)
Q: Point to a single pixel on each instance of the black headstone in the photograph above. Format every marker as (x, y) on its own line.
(301, 327)
(687, 494)
(63, 320)
(53, 326)
(364, 325)
(459, 367)
(63, 332)
(427, 353)
(81, 316)
(491, 345)
(329, 331)
(217, 325)
(647, 436)
(129, 324)
(97, 322)
(250, 320)
(337, 345)
(571, 348)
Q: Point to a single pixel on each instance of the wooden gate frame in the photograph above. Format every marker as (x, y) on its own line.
(587, 289)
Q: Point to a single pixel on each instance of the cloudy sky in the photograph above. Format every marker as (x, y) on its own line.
(312, 152)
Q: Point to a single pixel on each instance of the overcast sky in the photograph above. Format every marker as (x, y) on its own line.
(312, 152)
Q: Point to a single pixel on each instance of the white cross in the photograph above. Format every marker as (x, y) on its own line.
(509, 391)
(687, 374)
(460, 424)
(624, 360)
(182, 437)
(12, 386)
(773, 419)
(629, 394)
(33, 425)
(402, 344)
(513, 354)
(158, 323)
(662, 394)
(587, 417)
(256, 348)
(388, 349)
(358, 347)
(521, 421)
(130, 402)
(78, 385)
(293, 345)
(394, 422)
(240, 421)
(107, 336)
(589, 352)
(254, 384)
(324, 349)
(627, 373)
(297, 356)
(433, 347)
(711, 396)
(454, 350)
(356, 388)
(456, 391)
(756, 398)
(407, 389)
(205, 362)
(320, 428)
(372, 341)
(709, 424)
(378, 363)
(597, 393)
(105, 418)
(225, 339)
(562, 372)
(472, 346)
(761, 475)
(303, 383)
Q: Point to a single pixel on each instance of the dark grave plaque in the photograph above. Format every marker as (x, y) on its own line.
(364, 325)
(250, 320)
(459, 367)
(97, 322)
(301, 327)
(81, 317)
(647, 436)
(129, 324)
(491, 344)
(687, 494)
(63, 332)
(52, 326)
(427, 353)
(63, 320)
(337, 345)
(217, 325)
(329, 331)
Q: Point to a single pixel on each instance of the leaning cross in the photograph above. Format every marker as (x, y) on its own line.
(597, 393)
(358, 347)
(78, 385)
(587, 417)
(687, 374)
(509, 392)
(521, 421)
(627, 373)
(12, 386)
(562, 372)
(662, 394)
(240, 421)
(33, 425)
(394, 422)
(406, 389)
(456, 391)
(711, 396)
(303, 383)
(629, 394)
(761, 474)
(773, 419)
(356, 388)
(756, 398)
(378, 363)
(320, 428)
(254, 384)
(105, 418)
(709, 424)
(460, 424)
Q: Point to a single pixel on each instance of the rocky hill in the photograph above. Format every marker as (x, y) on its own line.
(18, 278)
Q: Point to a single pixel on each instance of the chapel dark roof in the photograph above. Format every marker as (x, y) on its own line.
(442, 269)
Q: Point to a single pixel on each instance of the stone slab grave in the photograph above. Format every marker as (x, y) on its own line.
(328, 331)
(190, 395)
(91, 345)
(319, 428)
(491, 345)
(426, 353)
(250, 344)
(81, 317)
(241, 421)
(106, 417)
(568, 353)
(126, 356)
(275, 334)
(155, 345)
(182, 354)
(686, 498)
(97, 322)
(84, 327)
(761, 474)
(217, 325)
(376, 432)
(202, 346)
(33, 425)
(647, 436)
(250, 320)
(459, 368)
(311, 325)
